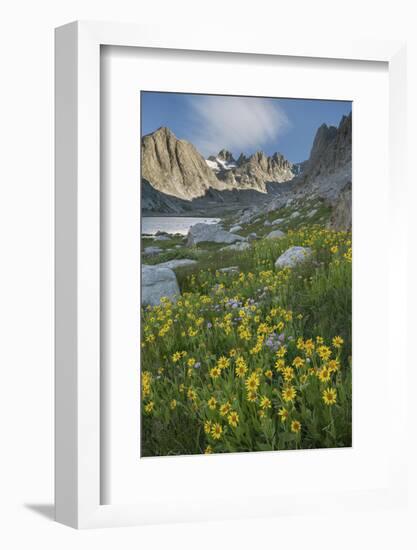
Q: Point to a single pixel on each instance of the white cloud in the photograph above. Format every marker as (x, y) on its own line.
(240, 124)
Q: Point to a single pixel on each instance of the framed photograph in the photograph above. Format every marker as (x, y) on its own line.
(225, 334)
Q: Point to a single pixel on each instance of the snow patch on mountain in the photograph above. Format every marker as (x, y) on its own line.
(219, 164)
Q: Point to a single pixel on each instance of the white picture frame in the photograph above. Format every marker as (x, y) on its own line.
(78, 404)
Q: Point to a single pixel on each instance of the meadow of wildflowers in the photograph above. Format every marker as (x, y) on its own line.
(255, 359)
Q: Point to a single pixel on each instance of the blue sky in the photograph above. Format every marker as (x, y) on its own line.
(241, 124)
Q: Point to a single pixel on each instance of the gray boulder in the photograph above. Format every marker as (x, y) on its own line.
(231, 269)
(295, 215)
(214, 233)
(293, 256)
(277, 221)
(235, 229)
(158, 282)
(249, 215)
(173, 264)
(238, 246)
(267, 223)
(151, 251)
(252, 237)
(312, 213)
(277, 234)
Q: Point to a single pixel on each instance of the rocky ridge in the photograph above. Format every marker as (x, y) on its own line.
(253, 172)
(177, 179)
(174, 167)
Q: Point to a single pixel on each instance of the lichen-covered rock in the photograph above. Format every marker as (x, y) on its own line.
(158, 282)
(213, 233)
(293, 256)
(277, 234)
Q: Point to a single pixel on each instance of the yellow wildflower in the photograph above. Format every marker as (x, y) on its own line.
(265, 402)
(324, 352)
(251, 396)
(329, 396)
(309, 347)
(216, 431)
(288, 373)
(298, 362)
(279, 364)
(223, 362)
(225, 408)
(283, 414)
(192, 394)
(215, 372)
(282, 351)
(333, 365)
(300, 343)
(212, 403)
(241, 367)
(295, 426)
(233, 419)
(146, 383)
(207, 426)
(252, 383)
(337, 342)
(288, 393)
(176, 357)
(324, 374)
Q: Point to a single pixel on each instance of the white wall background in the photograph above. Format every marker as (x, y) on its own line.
(26, 267)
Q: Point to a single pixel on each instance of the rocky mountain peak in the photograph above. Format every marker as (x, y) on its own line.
(164, 131)
(175, 167)
(225, 156)
(324, 135)
(277, 157)
(329, 168)
(242, 159)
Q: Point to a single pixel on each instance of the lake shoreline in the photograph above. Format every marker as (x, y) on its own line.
(151, 225)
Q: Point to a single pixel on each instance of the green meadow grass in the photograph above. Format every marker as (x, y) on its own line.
(309, 302)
